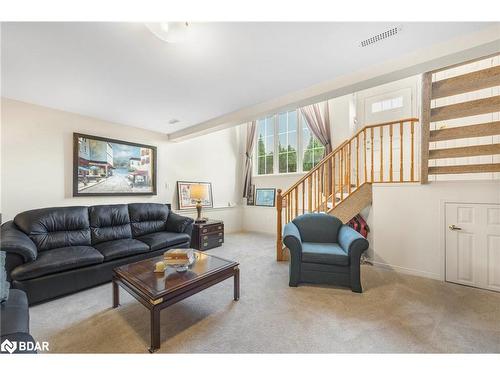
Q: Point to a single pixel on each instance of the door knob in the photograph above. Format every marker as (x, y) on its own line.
(454, 227)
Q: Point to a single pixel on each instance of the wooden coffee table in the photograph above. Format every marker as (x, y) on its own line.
(157, 291)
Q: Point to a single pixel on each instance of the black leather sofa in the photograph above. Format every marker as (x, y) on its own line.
(60, 250)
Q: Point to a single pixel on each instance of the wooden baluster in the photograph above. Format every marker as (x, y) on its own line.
(333, 181)
(315, 190)
(400, 152)
(279, 229)
(381, 132)
(324, 174)
(371, 151)
(341, 182)
(357, 161)
(287, 210)
(349, 171)
(289, 206)
(390, 152)
(303, 196)
(347, 165)
(364, 152)
(412, 178)
(328, 182)
(318, 190)
(344, 164)
(296, 202)
(309, 193)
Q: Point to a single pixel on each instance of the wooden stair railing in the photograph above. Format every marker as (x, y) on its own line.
(433, 89)
(351, 169)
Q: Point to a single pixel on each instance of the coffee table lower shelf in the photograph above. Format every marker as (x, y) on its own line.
(155, 306)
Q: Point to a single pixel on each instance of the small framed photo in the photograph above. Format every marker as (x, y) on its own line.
(265, 197)
(188, 192)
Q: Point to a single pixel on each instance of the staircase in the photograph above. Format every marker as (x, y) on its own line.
(453, 115)
(341, 184)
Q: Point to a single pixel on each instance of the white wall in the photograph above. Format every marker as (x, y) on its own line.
(37, 161)
(342, 118)
(407, 222)
(216, 158)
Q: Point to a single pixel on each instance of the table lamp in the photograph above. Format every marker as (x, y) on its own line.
(199, 192)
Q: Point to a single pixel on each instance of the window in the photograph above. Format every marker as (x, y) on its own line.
(265, 145)
(313, 150)
(287, 138)
(388, 104)
(286, 145)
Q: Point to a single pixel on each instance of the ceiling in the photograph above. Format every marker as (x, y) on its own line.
(121, 72)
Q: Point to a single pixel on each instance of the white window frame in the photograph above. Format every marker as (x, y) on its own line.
(297, 129)
(256, 143)
(300, 146)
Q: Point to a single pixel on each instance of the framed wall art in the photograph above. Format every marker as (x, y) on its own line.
(189, 192)
(265, 197)
(103, 166)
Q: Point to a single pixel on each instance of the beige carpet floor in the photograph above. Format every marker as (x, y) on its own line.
(396, 313)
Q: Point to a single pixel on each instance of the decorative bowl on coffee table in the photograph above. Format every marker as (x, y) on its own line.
(183, 265)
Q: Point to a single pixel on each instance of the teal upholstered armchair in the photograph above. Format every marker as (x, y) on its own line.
(323, 250)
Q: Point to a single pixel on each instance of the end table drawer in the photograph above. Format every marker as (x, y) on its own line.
(212, 228)
(211, 236)
(212, 241)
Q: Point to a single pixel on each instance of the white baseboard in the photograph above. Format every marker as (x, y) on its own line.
(407, 271)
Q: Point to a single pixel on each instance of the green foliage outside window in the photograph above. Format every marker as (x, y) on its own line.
(313, 153)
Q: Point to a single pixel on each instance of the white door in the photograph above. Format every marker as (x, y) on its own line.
(473, 244)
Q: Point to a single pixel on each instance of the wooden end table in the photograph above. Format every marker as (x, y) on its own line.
(157, 291)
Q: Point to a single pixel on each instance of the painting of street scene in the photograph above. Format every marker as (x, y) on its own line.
(110, 167)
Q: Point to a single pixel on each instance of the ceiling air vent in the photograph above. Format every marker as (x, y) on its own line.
(379, 37)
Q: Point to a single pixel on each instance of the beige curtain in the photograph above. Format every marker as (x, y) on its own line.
(319, 123)
(251, 128)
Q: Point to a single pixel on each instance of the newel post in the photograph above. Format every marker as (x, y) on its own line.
(279, 229)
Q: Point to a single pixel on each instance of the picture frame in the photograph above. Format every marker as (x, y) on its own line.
(111, 167)
(265, 197)
(184, 201)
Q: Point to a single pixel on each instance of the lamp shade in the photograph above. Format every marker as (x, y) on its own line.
(199, 192)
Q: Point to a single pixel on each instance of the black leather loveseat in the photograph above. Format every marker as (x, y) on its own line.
(55, 251)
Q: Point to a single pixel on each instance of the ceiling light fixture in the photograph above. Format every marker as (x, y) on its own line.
(170, 32)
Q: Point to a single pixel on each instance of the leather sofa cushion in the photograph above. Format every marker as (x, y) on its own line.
(109, 222)
(147, 218)
(55, 227)
(121, 248)
(323, 253)
(160, 240)
(318, 227)
(58, 260)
